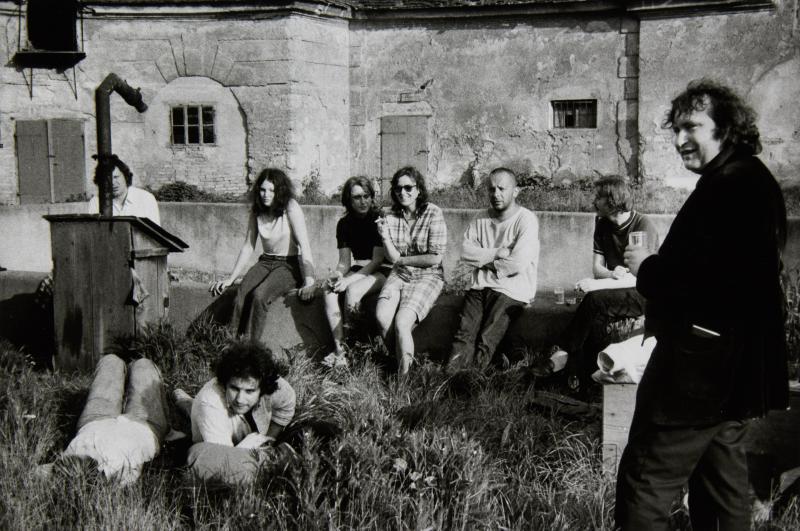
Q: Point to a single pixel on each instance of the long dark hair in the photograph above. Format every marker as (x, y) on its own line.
(735, 121)
(366, 185)
(419, 180)
(284, 192)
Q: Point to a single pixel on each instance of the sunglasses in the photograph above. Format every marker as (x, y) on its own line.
(407, 188)
(359, 197)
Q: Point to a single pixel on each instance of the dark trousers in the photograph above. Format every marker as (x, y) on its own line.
(659, 460)
(587, 328)
(268, 279)
(482, 324)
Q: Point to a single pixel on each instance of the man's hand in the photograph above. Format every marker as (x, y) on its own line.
(306, 293)
(255, 440)
(502, 252)
(620, 272)
(634, 256)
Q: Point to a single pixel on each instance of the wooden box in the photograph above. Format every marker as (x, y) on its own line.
(618, 403)
(95, 262)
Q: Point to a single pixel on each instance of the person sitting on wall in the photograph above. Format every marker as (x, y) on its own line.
(277, 220)
(243, 408)
(414, 239)
(615, 221)
(127, 200)
(502, 244)
(356, 235)
(122, 425)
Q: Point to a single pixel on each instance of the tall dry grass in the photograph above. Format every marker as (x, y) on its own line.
(369, 452)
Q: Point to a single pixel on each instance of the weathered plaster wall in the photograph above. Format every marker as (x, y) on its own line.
(319, 103)
(281, 84)
(489, 84)
(758, 54)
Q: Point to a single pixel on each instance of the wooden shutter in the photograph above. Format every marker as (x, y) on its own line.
(404, 142)
(66, 144)
(50, 160)
(33, 166)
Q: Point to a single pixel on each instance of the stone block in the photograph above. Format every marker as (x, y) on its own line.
(632, 88)
(632, 44)
(628, 25)
(167, 67)
(628, 67)
(355, 56)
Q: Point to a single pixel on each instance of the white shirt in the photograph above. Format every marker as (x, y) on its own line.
(119, 445)
(514, 276)
(138, 202)
(213, 421)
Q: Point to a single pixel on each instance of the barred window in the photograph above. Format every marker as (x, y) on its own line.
(574, 114)
(192, 124)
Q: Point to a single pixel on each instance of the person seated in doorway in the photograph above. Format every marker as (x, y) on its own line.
(286, 263)
(616, 220)
(127, 199)
(414, 239)
(243, 408)
(502, 244)
(356, 235)
(123, 423)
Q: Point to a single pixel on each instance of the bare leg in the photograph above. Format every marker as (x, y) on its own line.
(404, 323)
(385, 310)
(334, 315)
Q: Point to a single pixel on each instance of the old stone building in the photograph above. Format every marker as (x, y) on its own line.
(562, 89)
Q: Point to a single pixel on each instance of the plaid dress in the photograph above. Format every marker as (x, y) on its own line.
(418, 286)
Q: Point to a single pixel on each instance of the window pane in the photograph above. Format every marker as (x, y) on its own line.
(575, 114)
(192, 115)
(208, 134)
(208, 115)
(177, 116)
(177, 135)
(194, 134)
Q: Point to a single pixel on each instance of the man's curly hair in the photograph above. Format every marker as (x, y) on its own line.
(735, 120)
(249, 359)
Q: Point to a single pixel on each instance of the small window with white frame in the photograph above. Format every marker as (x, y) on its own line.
(574, 114)
(192, 125)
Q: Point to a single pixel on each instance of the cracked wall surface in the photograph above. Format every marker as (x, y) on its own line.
(489, 84)
(280, 84)
(757, 54)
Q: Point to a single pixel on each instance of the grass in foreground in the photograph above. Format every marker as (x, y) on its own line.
(371, 453)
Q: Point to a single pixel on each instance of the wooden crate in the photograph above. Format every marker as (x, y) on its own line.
(94, 260)
(618, 403)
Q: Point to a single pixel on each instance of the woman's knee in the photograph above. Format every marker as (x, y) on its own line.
(405, 320)
(331, 302)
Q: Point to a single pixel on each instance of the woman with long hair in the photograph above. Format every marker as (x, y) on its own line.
(277, 220)
(356, 236)
(414, 239)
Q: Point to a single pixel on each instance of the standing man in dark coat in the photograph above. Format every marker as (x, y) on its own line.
(715, 304)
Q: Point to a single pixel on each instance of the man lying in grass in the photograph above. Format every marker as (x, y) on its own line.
(243, 408)
(121, 426)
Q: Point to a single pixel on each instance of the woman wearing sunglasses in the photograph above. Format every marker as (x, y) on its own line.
(414, 239)
(277, 220)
